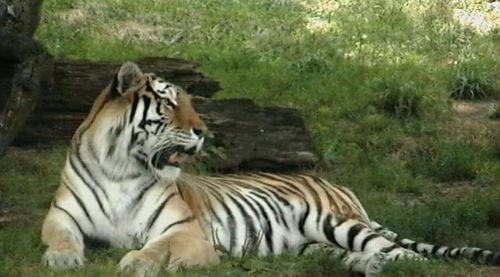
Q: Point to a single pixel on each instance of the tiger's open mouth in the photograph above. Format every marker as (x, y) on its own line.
(173, 157)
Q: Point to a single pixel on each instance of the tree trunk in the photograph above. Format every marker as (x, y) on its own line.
(20, 16)
(23, 66)
(27, 84)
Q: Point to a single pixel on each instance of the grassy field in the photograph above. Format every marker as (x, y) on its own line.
(398, 95)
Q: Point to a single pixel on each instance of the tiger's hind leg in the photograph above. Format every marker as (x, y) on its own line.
(367, 251)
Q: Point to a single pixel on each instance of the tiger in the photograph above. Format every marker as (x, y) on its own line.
(122, 184)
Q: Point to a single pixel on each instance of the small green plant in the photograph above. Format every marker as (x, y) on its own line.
(472, 88)
(448, 161)
(400, 100)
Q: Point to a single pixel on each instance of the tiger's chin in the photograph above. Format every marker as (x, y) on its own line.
(168, 173)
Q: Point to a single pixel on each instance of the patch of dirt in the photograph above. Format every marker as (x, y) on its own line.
(474, 110)
(82, 12)
(137, 31)
(483, 18)
(490, 271)
(473, 122)
(459, 189)
(6, 217)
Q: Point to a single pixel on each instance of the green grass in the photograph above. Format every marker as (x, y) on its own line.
(373, 79)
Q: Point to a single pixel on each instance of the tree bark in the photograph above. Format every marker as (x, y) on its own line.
(23, 66)
(20, 16)
(27, 84)
(245, 136)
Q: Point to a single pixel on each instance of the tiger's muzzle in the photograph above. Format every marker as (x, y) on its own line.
(174, 157)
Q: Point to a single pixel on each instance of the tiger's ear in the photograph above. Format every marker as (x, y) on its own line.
(127, 77)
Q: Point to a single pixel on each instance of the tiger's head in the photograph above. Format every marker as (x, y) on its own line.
(143, 121)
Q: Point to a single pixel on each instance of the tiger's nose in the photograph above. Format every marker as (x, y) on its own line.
(200, 131)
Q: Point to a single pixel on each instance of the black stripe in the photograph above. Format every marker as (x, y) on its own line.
(135, 102)
(367, 239)
(158, 210)
(352, 233)
(303, 218)
(87, 171)
(136, 203)
(80, 203)
(307, 184)
(489, 259)
(323, 186)
(134, 136)
(250, 231)
(378, 229)
(269, 189)
(71, 216)
(304, 246)
(111, 149)
(208, 204)
(275, 212)
(232, 226)
(434, 250)
(230, 219)
(250, 203)
(268, 229)
(283, 189)
(389, 249)
(413, 246)
(185, 220)
(146, 103)
(277, 209)
(446, 252)
(477, 253)
(329, 230)
(144, 190)
(291, 185)
(114, 86)
(457, 253)
(99, 203)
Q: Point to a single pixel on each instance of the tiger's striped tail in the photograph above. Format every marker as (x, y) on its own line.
(474, 254)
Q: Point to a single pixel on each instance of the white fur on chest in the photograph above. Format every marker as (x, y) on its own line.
(121, 214)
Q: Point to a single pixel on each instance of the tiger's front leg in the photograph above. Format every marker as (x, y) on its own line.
(183, 246)
(64, 239)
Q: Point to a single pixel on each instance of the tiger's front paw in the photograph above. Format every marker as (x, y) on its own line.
(140, 264)
(62, 259)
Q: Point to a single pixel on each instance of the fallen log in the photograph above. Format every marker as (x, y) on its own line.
(77, 83)
(245, 136)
